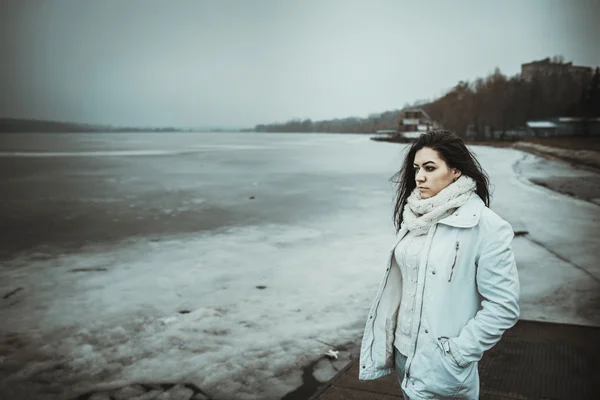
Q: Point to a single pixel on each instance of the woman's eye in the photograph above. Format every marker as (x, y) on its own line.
(429, 169)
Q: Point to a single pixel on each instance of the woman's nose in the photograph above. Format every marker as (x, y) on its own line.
(420, 177)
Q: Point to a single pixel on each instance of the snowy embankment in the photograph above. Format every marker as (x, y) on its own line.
(240, 311)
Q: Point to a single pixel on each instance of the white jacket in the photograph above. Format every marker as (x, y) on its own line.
(468, 287)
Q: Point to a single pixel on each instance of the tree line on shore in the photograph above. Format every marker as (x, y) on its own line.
(499, 103)
(495, 103)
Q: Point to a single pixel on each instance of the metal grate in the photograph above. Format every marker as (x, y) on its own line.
(525, 369)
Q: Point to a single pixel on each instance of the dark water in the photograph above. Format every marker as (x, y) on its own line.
(63, 191)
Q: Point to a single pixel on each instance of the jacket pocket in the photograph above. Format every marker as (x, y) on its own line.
(444, 344)
(456, 247)
(435, 374)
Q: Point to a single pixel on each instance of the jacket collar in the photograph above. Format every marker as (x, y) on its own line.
(467, 215)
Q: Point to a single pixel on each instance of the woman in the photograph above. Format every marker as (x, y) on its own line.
(451, 286)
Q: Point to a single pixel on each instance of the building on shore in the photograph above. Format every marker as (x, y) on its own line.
(413, 122)
(541, 128)
(549, 127)
(564, 126)
(547, 67)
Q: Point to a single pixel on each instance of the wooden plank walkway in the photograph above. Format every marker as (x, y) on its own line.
(534, 360)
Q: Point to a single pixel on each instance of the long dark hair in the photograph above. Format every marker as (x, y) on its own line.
(455, 154)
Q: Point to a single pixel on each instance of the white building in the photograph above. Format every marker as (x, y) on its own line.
(414, 122)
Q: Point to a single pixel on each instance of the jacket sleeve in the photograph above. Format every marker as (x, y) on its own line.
(498, 286)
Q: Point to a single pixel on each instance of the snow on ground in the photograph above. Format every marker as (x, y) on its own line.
(260, 301)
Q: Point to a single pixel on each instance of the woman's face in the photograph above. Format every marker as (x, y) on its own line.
(432, 174)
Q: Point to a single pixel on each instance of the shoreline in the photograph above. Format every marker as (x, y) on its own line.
(580, 151)
(577, 158)
(555, 153)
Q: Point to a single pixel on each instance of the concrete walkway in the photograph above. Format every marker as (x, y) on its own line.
(534, 360)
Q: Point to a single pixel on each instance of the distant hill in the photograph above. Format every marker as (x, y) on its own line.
(33, 125)
(20, 125)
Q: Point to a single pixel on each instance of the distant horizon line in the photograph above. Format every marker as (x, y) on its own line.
(118, 126)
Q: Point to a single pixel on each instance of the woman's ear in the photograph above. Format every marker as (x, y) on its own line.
(457, 174)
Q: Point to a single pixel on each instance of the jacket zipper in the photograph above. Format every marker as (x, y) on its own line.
(454, 262)
(425, 262)
(372, 317)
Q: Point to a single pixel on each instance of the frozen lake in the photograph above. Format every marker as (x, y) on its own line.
(272, 246)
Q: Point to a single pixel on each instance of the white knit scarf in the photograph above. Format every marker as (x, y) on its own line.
(420, 214)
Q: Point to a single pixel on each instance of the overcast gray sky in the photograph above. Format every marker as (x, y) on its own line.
(239, 63)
